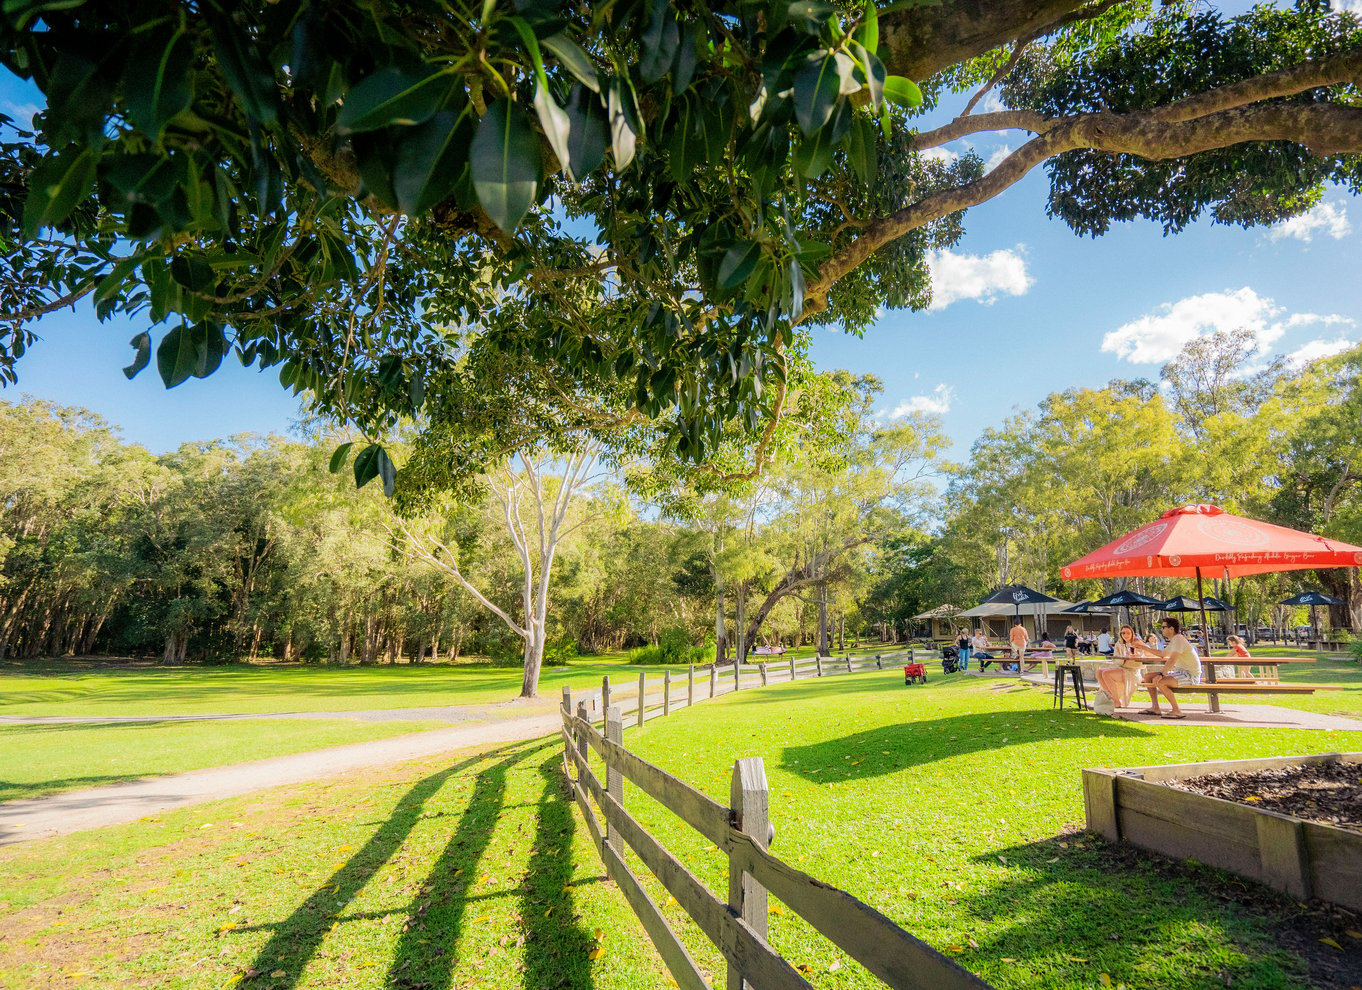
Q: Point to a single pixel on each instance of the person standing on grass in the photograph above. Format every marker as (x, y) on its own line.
(1180, 666)
(1019, 640)
(1071, 643)
(963, 644)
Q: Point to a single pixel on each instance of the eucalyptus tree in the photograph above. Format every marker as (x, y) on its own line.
(294, 182)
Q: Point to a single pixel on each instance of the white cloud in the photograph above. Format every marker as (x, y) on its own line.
(943, 155)
(981, 277)
(1348, 6)
(1317, 349)
(1159, 336)
(1324, 218)
(20, 113)
(996, 159)
(938, 401)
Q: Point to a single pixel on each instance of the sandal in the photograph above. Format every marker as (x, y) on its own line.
(1171, 715)
(1149, 711)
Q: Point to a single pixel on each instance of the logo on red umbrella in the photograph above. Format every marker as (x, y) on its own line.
(1139, 539)
(1236, 532)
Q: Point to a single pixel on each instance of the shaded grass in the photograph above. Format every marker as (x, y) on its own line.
(956, 809)
(435, 874)
(49, 758)
(50, 688)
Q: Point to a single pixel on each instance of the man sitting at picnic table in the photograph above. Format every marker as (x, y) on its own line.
(1019, 640)
(979, 648)
(1104, 643)
(1180, 666)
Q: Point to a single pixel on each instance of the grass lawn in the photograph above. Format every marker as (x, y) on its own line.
(80, 688)
(46, 759)
(954, 808)
(468, 871)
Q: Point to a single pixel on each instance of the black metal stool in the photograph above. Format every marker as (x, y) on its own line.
(1076, 674)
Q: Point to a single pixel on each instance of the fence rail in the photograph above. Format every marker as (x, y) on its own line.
(737, 926)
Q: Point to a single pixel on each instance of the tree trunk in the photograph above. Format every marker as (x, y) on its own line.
(720, 629)
(740, 606)
(534, 660)
(824, 646)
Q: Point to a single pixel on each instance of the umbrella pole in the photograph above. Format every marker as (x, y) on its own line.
(1213, 700)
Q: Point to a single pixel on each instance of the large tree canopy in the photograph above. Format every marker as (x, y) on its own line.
(639, 205)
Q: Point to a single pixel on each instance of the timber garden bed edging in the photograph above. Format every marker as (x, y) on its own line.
(1301, 858)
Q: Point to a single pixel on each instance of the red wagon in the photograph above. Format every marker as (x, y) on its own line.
(915, 673)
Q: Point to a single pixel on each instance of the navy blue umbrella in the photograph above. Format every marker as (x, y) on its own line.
(1184, 604)
(1312, 598)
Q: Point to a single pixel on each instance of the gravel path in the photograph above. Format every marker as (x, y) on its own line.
(115, 804)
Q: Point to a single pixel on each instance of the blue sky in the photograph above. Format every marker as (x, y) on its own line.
(1024, 308)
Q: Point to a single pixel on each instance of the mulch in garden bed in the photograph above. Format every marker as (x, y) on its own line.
(1325, 793)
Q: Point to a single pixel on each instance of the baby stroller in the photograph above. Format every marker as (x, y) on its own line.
(950, 660)
(914, 673)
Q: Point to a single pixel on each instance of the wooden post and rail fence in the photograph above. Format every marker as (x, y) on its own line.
(737, 924)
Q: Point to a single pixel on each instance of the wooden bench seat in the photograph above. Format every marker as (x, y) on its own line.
(1240, 687)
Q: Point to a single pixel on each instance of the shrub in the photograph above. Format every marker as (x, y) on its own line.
(674, 646)
(1355, 648)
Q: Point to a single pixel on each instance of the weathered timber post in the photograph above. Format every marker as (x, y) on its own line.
(848, 663)
(614, 776)
(567, 700)
(737, 677)
(666, 692)
(583, 750)
(762, 668)
(751, 801)
(567, 715)
(605, 697)
(690, 686)
(879, 662)
(819, 661)
(642, 687)
(792, 668)
(713, 680)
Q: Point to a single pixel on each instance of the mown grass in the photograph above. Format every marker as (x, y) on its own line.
(463, 872)
(49, 758)
(956, 809)
(76, 688)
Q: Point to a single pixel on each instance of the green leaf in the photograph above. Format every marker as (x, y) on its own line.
(505, 162)
(557, 126)
(623, 125)
(571, 56)
(395, 96)
(874, 75)
(814, 155)
(431, 158)
(817, 87)
(187, 351)
(143, 356)
(902, 91)
(373, 462)
(586, 133)
(862, 150)
(339, 456)
(56, 188)
(251, 79)
(22, 11)
(739, 262)
(156, 83)
(661, 35)
(868, 34)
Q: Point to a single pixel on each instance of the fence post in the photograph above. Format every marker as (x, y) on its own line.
(583, 750)
(642, 687)
(879, 662)
(713, 680)
(737, 677)
(751, 800)
(690, 686)
(819, 661)
(614, 777)
(567, 746)
(567, 700)
(792, 668)
(605, 699)
(666, 692)
(848, 663)
(762, 667)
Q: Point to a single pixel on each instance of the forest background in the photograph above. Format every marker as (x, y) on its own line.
(249, 547)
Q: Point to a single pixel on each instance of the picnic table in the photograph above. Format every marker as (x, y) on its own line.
(1268, 682)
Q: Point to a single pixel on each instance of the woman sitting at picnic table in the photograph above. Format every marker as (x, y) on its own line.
(1118, 679)
(980, 647)
(1045, 650)
(1180, 666)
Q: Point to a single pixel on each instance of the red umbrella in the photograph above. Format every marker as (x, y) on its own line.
(1191, 538)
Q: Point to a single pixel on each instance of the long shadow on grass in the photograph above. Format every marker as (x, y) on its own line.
(1074, 906)
(12, 791)
(556, 946)
(889, 748)
(427, 950)
(297, 938)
